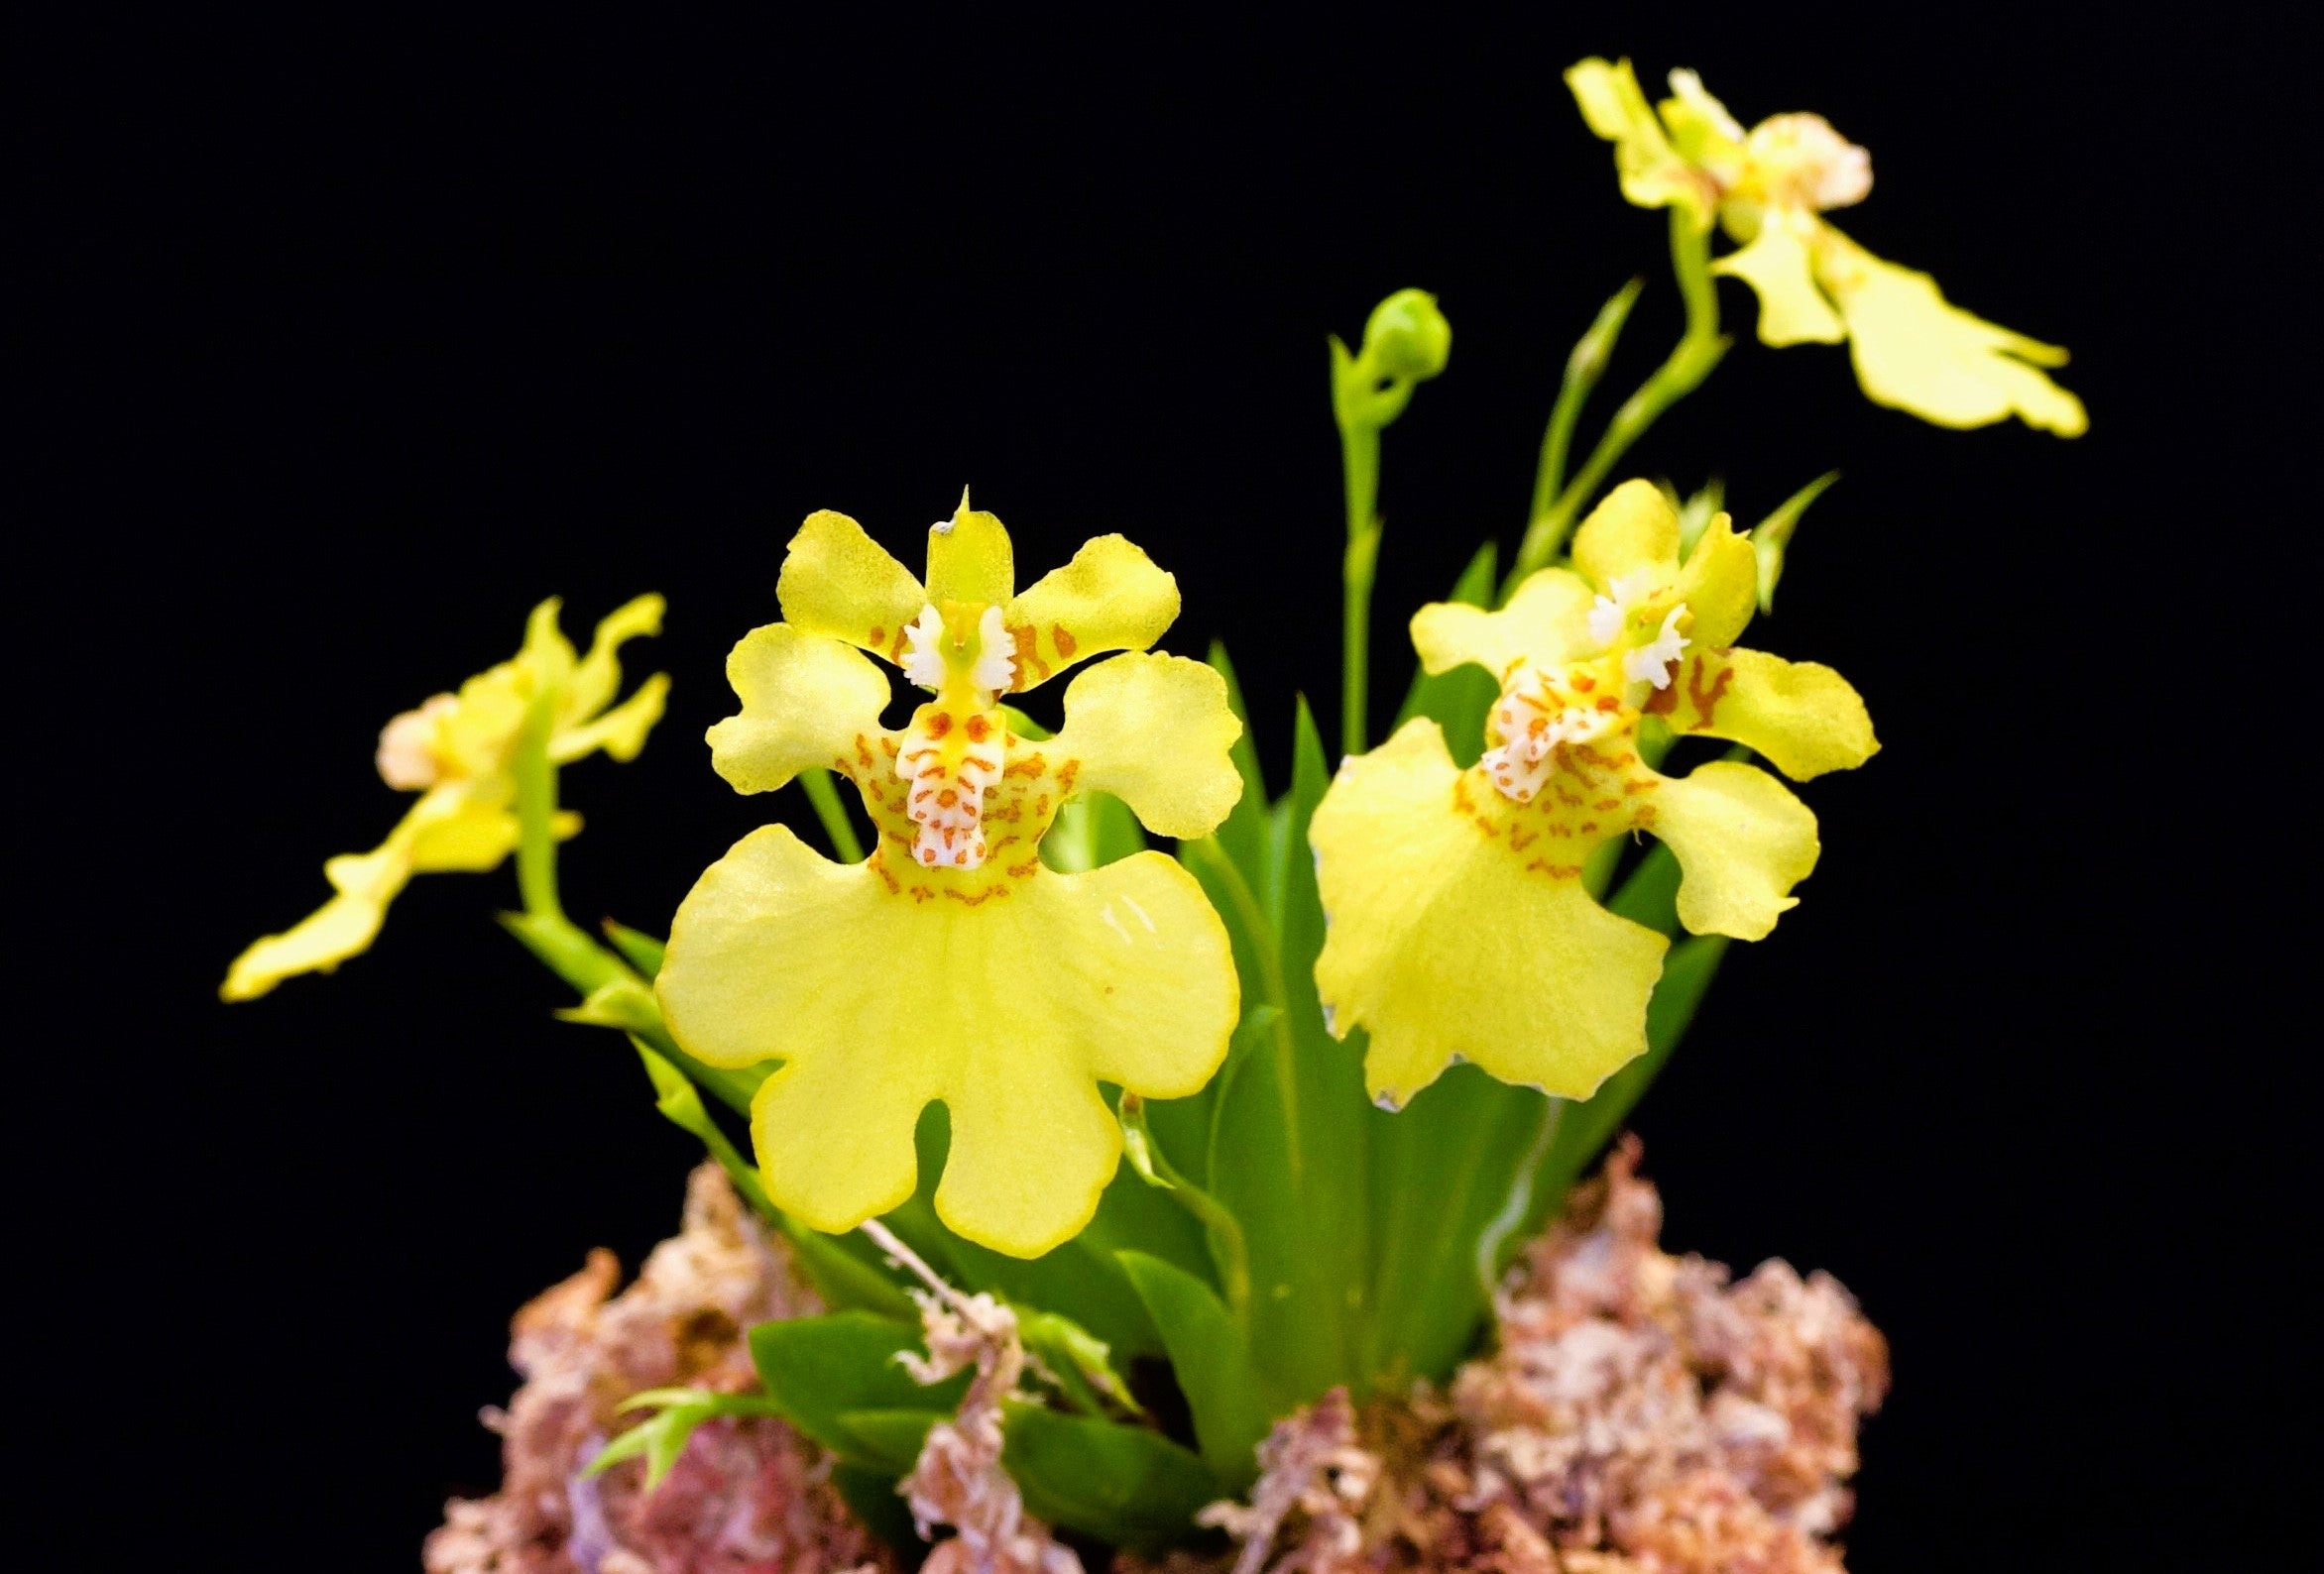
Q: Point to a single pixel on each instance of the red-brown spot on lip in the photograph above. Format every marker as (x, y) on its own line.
(948, 798)
(1584, 682)
(1064, 642)
(977, 727)
(1606, 701)
(940, 723)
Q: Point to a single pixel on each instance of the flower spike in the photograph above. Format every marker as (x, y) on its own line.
(1769, 187)
(457, 753)
(951, 964)
(1459, 925)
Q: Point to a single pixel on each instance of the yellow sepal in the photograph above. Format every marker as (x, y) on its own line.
(838, 582)
(1801, 715)
(1154, 731)
(970, 559)
(1546, 620)
(1777, 266)
(1916, 351)
(1743, 839)
(1719, 583)
(1633, 530)
(1653, 173)
(1110, 597)
(808, 700)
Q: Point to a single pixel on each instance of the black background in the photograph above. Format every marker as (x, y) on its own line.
(375, 331)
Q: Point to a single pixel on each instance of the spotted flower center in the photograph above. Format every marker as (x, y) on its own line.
(1539, 713)
(952, 755)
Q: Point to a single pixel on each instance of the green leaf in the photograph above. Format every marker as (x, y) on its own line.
(818, 1368)
(1124, 1485)
(663, 1438)
(660, 1439)
(1079, 1362)
(1212, 1364)
(1288, 1144)
(1587, 1126)
(891, 1440)
(1244, 835)
(1459, 701)
(640, 949)
(870, 1492)
(1441, 1169)
(1696, 512)
(1092, 830)
(1650, 895)
(1771, 536)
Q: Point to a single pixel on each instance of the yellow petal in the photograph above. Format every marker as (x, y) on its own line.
(839, 582)
(1776, 265)
(806, 701)
(365, 883)
(1719, 585)
(341, 927)
(1155, 730)
(1443, 943)
(1652, 174)
(970, 559)
(1008, 1011)
(547, 654)
(1110, 597)
(1742, 840)
(598, 677)
(1802, 715)
(1916, 351)
(1634, 530)
(1548, 620)
(472, 841)
(620, 732)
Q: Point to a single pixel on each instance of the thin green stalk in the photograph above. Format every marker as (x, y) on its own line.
(823, 793)
(1359, 457)
(536, 811)
(1681, 374)
(1584, 367)
(1228, 1248)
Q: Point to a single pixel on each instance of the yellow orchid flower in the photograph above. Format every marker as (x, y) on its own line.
(1769, 187)
(456, 751)
(951, 964)
(1459, 925)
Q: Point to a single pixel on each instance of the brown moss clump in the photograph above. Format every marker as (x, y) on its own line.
(747, 1497)
(1641, 1414)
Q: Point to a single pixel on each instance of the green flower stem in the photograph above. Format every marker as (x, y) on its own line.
(1225, 1229)
(536, 811)
(1360, 458)
(823, 793)
(1584, 367)
(1681, 374)
(563, 947)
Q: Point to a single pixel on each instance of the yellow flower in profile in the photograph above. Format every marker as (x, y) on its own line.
(951, 964)
(1770, 188)
(456, 751)
(1459, 925)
